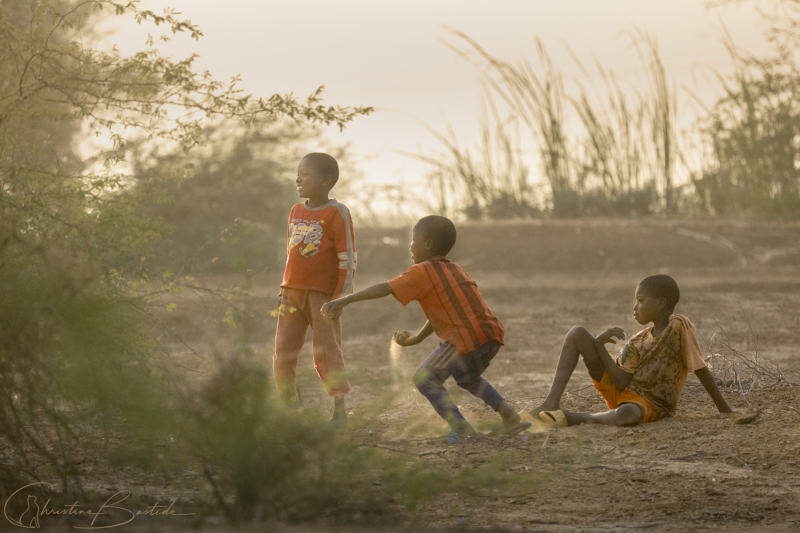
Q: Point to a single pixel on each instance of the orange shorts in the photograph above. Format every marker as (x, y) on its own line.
(615, 397)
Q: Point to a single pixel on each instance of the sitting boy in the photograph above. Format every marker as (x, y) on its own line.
(457, 313)
(644, 383)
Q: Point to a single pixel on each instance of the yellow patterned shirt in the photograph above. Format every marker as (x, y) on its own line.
(660, 364)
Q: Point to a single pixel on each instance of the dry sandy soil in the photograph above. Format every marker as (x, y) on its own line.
(740, 285)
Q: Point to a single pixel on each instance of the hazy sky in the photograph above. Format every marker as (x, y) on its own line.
(390, 55)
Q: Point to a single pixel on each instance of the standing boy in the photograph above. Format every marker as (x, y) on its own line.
(457, 313)
(320, 266)
(644, 383)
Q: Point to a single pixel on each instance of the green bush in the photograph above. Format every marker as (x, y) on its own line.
(73, 360)
(77, 355)
(752, 136)
(228, 212)
(270, 462)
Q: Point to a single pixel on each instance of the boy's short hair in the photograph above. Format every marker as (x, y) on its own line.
(662, 286)
(325, 164)
(440, 230)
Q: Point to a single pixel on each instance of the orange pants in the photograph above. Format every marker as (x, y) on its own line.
(614, 397)
(300, 309)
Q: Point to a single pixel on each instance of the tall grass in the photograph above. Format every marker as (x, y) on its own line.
(661, 105)
(536, 101)
(620, 158)
(490, 179)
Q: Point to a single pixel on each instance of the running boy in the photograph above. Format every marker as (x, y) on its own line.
(457, 313)
(644, 383)
(320, 266)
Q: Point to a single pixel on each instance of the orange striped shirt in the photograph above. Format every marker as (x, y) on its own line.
(451, 301)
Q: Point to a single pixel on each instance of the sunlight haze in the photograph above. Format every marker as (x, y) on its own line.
(392, 56)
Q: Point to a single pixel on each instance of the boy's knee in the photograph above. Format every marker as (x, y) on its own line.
(628, 414)
(578, 333)
(421, 377)
(465, 381)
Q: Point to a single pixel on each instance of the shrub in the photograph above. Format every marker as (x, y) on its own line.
(270, 462)
(751, 134)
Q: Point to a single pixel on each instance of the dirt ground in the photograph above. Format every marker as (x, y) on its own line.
(740, 285)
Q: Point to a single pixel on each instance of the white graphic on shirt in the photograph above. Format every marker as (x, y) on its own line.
(307, 232)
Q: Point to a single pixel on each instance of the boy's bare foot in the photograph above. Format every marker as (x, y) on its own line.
(512, 423)
(509, 415)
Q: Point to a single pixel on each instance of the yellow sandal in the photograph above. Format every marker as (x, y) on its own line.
(555, 419)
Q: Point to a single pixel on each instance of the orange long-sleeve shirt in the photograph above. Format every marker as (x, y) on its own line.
(321, 249)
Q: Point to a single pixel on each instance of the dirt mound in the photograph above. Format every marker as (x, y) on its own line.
(599, 246)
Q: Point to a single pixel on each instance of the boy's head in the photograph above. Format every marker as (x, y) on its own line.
(432, 235)
(317, 173)
(656, 296)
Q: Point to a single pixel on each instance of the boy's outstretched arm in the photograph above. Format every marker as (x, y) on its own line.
(707, 379)
(406, 338)
(334, 308)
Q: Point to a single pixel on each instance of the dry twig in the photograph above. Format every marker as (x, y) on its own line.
(741, 372)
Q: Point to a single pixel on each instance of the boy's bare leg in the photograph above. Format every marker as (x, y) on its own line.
(627, 414)
(578, 342)
(339, 412)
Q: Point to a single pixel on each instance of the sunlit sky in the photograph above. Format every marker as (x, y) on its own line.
(390, 55)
